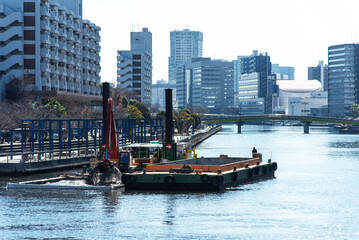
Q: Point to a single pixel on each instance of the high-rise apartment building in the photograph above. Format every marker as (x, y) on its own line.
(320, 73)
(205, 83)
(283, 72)
(343, 78)
(134, 67)
(185, 45)
(48, 45)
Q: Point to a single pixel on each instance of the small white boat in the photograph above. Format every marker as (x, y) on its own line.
(65, 182)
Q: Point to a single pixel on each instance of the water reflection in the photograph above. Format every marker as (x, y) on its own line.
(170, 210)
(342, 144)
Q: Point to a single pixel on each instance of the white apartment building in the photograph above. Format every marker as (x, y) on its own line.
(50, 46)
(134, 67)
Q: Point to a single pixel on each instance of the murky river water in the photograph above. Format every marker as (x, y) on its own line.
(315, 195)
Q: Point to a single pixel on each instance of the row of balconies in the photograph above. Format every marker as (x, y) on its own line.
(91, 66)
(61, 57)
(62, 72)
(91, 34)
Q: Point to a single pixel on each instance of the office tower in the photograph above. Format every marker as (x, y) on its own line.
(343, 82)
(320, 73)
(185, 45)
(282, 72)
(238, 70)
(50, 46)
(267, 88)
(205, 83)
(134, 67)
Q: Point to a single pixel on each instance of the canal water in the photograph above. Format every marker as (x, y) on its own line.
(315, 195)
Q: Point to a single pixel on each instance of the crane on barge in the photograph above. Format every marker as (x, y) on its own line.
(106, 171)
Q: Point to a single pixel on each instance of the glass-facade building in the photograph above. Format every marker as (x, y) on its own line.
(319, 73)
(205, 83)
(343, 82)
(185, 44)
(283, 72)
(267, 88)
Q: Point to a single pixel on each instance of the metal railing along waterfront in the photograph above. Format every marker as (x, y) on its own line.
(51, 155)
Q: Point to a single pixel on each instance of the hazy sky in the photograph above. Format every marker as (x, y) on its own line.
(293, 32)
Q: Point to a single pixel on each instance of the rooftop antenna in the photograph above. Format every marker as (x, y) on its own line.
(132, 26)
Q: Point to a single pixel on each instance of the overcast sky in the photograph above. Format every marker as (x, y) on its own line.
(293, 32)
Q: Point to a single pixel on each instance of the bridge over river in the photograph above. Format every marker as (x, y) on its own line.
(306, 120)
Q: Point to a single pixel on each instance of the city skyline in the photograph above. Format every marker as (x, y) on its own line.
(295, 33)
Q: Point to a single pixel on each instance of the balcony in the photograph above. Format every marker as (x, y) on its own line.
(70, 23)
(61, 71)
(77, 62)
(54, 83)
(62, 19)
(55, 42)
(45, 11)
(45, 25)
(54, 15)
(45, 67)
(70, 86)
(70, 60)
(45, 52)
(55, 55)
(70, 35)
(54, 28)
(62, 57)
(55, 69)
(86, 89)
(45, 38)
(63, 32)
(85, 76)
(85, 43)
(62, 45)
(63, 85)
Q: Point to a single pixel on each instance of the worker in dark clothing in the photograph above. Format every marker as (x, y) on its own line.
(254, 150)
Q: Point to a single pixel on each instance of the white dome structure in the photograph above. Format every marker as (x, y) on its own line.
(299, 86)
(301, 89)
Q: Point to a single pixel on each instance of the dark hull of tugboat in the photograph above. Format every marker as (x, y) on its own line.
(199, 182)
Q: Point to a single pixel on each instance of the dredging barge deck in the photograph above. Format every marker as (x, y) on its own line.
(205, 174)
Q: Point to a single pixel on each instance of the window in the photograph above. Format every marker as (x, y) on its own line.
(29, 49)
(136, 64)
(136, 77)
(29, 63)
(137, 70)
(29, 34)
(136, 56)
(29, 7)
(29, 20)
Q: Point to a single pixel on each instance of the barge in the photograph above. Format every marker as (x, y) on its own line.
(204, 174)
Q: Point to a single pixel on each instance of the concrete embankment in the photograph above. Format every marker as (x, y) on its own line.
(197, 138)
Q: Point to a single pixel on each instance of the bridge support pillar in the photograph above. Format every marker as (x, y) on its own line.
(306, 127)
(239, 124)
